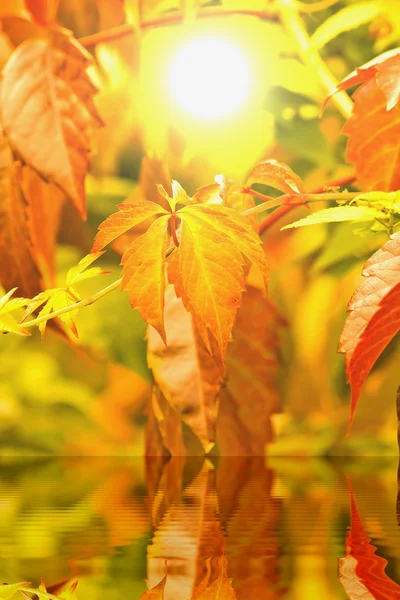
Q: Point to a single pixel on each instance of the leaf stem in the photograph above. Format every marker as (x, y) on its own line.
(280, 212)
(173, 230)
(175, 18)
(42, 594)
(291, 20)
(300, 200)
(85, 302)
(316, 7)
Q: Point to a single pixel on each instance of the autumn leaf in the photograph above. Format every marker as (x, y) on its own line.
(143, 274)
(384, 70)
(187, 375)
(55, 104)
(374, 316)
(339, 214)
(362, 572)
(13, 8)
(277, 175)
(18, 267)
(81, 271)
(129, 216)
(56, 299)
(374, 134)
(153, 173)
(165, 424)
(215, 243)
(250, 394)
(43, 11)
(7, 592)
(156, 593)
(374, 126)
(8, 324)
(44, 209)
(220, 589)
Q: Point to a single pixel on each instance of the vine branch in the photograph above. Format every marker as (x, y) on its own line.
(85, 302)
(285, 201)
(294, 25)
(124, 30)
(283, 210)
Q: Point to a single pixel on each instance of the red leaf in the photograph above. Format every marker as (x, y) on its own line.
(374, 140)
(362, 572)
(374, 317)
(385, 69)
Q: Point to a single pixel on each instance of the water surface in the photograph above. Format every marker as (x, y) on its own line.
(293, 529)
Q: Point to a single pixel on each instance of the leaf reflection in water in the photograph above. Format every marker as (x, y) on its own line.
(215, 525)
(245, 527)
(362, 571)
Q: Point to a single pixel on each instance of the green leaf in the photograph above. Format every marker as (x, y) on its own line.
(346, 19)
(390, 200)
(338, 214)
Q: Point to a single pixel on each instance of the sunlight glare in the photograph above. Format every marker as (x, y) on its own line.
(210, 77)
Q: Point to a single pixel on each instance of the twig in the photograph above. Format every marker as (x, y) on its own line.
(286, 208)
(85, 302)
(175, 18)
(317, 6)
(293, 23)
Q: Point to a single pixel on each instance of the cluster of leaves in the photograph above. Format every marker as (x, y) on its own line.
(191, 262)
(16, 590)
(55, 300)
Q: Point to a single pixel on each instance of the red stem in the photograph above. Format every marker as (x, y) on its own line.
(115, 33)
(280, 212)
(173, 230)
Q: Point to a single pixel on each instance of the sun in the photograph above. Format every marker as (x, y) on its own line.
(210, 77)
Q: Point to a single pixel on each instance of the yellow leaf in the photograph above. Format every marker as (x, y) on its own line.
(143, 273)
(210, 276)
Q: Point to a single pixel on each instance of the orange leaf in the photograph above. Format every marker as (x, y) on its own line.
(186, 373)
(156, 593)
(220, 589)
(251, 394)
(374, 140)
(45, 203)
(164, 426)
(13, 8)
(277, 175)
(361, 571)
(374, 317)
(129, 216)
(385, 69)
(48, 110)
(143, 275)
(43, 11)
(18, 267)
